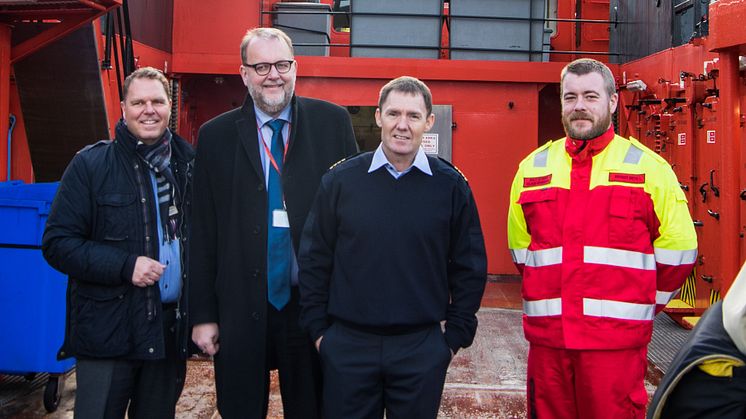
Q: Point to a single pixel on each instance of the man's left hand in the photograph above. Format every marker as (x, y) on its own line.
(147, 271)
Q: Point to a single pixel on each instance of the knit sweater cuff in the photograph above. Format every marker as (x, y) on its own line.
(451, 341)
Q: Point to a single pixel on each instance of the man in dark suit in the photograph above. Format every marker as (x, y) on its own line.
(256, 173)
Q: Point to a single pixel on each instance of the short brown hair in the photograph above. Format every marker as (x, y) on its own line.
(407, 84)
(264, 33)
(584, 66)
(146, 73)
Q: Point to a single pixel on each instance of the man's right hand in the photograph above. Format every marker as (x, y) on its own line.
(205, 336)
(318, 342)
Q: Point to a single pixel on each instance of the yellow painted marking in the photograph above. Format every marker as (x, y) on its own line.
(679, 304)
(691, 320)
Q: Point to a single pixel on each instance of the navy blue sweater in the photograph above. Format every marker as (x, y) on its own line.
(391, 254)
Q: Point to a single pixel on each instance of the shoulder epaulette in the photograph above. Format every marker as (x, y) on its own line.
(96, 144)
(451, 165)
(345, 159)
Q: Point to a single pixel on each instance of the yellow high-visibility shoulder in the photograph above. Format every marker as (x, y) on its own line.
(655, 156)
(533, 154)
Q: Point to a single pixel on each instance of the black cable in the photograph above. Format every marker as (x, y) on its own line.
(109, 35)
(117, 64)
(130, 67)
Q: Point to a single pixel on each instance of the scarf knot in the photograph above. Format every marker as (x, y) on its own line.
(157, 157)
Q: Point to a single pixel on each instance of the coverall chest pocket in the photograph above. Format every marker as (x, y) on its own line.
(543, 216)
(116, 215)
(625, 223)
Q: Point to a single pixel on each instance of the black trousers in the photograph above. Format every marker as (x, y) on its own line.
(107, 387)
(365, 374)
(701, 396)
(291, 352)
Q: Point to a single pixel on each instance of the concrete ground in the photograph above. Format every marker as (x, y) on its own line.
(486, 380)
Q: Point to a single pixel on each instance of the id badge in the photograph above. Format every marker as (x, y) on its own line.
(280, 218)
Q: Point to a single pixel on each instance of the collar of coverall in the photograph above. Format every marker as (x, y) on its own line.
(595, 145)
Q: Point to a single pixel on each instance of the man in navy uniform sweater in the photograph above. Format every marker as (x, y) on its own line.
(392, 268)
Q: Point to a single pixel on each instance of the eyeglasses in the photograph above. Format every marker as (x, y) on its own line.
(263, 69)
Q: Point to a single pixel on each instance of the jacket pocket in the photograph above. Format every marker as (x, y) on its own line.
(622, 220)
(541, 210)
(102, 321)
(117, 215)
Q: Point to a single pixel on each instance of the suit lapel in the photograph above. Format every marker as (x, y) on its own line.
(247, 134)
(295, 124)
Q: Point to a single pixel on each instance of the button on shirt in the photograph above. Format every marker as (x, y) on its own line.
(169, 254)
(262, 119)
(420, 162)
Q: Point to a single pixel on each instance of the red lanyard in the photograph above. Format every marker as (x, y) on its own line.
(269, 153)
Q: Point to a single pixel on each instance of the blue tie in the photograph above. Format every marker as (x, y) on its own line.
(278, 238)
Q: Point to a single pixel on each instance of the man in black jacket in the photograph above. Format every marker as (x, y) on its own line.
(118, 228)
(256, 172)
(707, 377)
(392, 249)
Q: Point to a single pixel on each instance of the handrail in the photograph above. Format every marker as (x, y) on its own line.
(10, 139)
(446, 18)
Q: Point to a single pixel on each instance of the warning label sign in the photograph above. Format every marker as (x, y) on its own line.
(430, 143)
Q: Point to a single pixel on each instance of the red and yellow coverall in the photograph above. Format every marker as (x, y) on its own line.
(604, 240)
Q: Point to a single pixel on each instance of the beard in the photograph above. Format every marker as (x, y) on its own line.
(272, 106)
(597, 128)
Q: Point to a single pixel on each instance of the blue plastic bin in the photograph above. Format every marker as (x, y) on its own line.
(32, 294)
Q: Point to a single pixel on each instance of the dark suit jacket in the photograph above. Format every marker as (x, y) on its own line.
(229, 231)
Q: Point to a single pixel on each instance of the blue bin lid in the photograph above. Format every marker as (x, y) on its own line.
(11, 183)
(18, 225)
(42, 207)
(17, 190)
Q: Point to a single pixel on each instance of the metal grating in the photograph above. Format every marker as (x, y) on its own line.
(668, 337)
(14, 387)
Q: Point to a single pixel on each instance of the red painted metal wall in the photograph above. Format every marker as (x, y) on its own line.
(575, 36)
(501, 110)
(691, 113)
(206, 37)
(490, 136)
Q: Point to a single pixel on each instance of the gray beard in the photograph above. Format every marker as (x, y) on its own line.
(270, 108)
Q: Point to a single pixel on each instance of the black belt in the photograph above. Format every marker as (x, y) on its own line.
(386, 330)
(169, 306)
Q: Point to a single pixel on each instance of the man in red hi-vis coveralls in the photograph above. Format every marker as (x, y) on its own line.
(600, 230)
